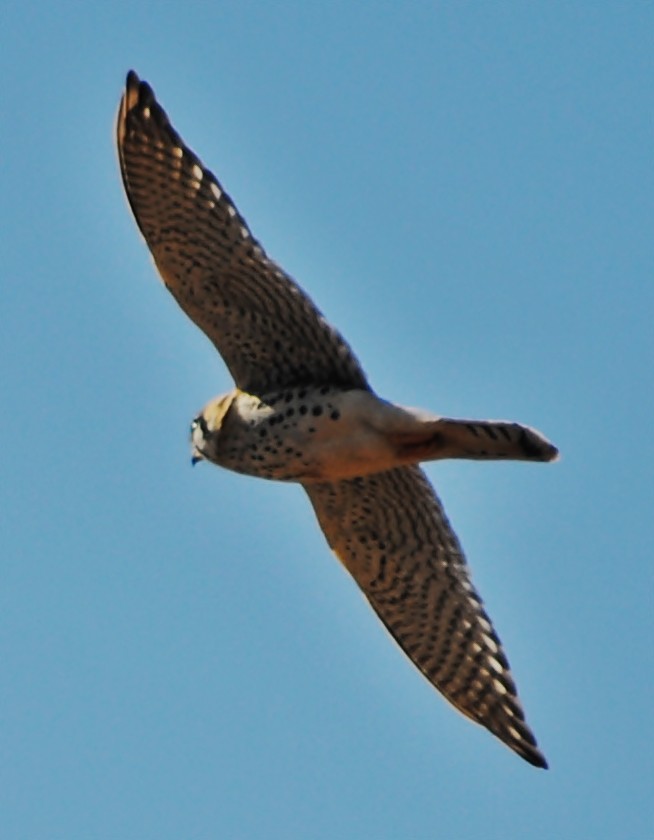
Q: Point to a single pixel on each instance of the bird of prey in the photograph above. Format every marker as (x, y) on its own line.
(303, 411)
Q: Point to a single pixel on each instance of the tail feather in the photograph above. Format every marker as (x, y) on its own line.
(484, 440)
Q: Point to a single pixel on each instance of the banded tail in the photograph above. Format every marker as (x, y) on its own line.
(482, 440)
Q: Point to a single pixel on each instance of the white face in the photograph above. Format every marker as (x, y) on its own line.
(206, 427)
(199, 435)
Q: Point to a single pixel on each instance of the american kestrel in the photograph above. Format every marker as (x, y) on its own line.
(303, 411)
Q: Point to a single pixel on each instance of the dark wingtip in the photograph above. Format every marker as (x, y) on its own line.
(527, 748)
(514, 732)
(537, 759)
(137, 91)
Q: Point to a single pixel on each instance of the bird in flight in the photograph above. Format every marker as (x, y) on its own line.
(302, 411)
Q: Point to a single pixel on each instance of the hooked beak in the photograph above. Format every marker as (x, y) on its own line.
(196, 457)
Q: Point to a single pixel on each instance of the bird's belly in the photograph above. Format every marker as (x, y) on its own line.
(305, 441)
(307, 458)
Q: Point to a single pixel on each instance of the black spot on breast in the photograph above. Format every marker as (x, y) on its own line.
(303, 409)
(317, 410)
(335, 415)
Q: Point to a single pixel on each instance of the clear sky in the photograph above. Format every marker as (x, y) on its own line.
(465, 189)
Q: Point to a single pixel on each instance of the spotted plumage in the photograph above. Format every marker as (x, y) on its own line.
(303, 411)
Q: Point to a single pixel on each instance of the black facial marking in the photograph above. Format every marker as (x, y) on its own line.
(202, 423)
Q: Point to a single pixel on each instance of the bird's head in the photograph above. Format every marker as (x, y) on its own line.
(205, 428)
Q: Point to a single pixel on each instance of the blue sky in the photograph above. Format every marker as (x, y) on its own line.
(466, 191)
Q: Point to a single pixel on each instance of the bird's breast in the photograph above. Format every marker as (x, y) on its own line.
(303, 434)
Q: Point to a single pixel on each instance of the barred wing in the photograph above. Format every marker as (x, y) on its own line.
(266, 328)
(390, 532)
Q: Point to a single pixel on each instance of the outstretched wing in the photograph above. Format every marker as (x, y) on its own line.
(390, 532)
(267, 330)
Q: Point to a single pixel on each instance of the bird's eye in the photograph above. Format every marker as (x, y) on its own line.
(200, 423)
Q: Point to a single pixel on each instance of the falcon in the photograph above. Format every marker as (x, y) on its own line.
(302, 410)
